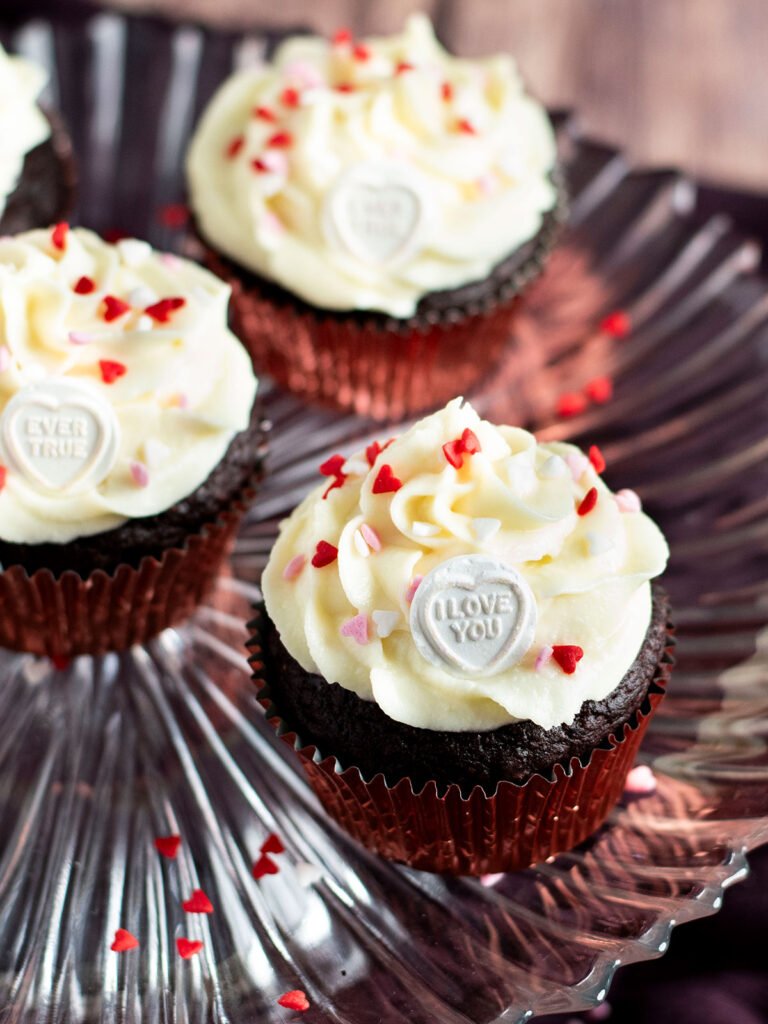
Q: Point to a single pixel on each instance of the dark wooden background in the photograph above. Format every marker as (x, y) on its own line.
(676, 82)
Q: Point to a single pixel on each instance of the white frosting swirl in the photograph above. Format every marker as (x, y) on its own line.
(179, 382)
(453, 146)
(22, 125)
(589, 574)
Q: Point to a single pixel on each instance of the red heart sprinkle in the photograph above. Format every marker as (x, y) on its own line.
(597, 458)
(60, 662)
(280, 140)
(84, 285)
(332, 466)
(567, 657)
(446, 91)
(265, 114)
(455, 451)
(123, 941)
(617, 324)
(294, 1000)
(260, 165)
(470, 442)
(386, 482)
(588, 502)
(600, 390)
(234, 147)
(188, 947)
(59, 236)
(374, 450)
(344, 87)
(111, 370)
(114, 308)
(272, 844)
(571, 404)
(325, 553)
(402, 66)
(341, 37)
(3, 476)
(361, 52)
(173, 215)
(465, 126)
(198, 903)
(264, 866)
(161, 311)
(168, 846)
(290, 97)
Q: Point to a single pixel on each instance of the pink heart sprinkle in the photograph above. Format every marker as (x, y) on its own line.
(294, 567)
(80, 338)
(640, 781)
(577, 463)
(276, 161)
(371, 538)
(303, 74)
(628, 501)
(5, 358)
(139, 473)
(170, 260)
(543, 657)
(357, 628)
(413, 586)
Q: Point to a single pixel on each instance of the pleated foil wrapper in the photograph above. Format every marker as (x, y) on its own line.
(447, 832)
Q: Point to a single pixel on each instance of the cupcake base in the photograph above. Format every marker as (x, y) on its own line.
(440, 828)
(46, 189)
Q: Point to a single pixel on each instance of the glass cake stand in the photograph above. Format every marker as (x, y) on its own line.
(102, 757)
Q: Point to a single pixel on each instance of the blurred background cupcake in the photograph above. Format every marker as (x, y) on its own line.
(378, 205)
(36, 166)
(129, 445)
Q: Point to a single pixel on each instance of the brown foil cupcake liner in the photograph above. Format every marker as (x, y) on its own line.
(377, 365)
(67, 615)
(448, 833)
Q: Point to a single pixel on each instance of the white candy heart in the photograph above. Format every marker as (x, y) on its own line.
(473, 616)
(385, 622)
(60, 435)
(376, 211)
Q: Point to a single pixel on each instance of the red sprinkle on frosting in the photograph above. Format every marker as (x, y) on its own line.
(264, 866)
(294, 1000)
(333, 467)
(600, 390)
(84, 285)
(161, 311)
(616, 324)
(455, 451)
(588, 502)
(234, 147)
(386, 482)
(280, 140)
(361, 52)
(114, 308)
(446, 92)
(259, 165)
(374, 450)
(265, 114)
(567, 657)
(290, 97)
(402, 66)
(168, 846)
(188, 947)
(342, 37)
(344, 87)
(272, 844)
(59, 236)
(465, 126)
(3, 476)
(571, 404)
(597, 459)
(325, 553)
(123, 941)
(111, 370)
(198, 903)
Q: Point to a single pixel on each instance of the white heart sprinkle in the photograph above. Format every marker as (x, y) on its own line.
(424, 529)
(308, 874)
(359, 541)
(141, 297)
(385, 622)
(355, 467)
(145, 323)
(628, 501)
(553, 467)
(155, 452)
(484, 528)
(577, 463)
(133, 252)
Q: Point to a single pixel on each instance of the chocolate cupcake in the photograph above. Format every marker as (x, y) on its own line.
(462, 641)
(129, 447)
(36, 165)
(377, 206)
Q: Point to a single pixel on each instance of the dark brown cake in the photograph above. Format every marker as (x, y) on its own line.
(359, 733)
(45, 192)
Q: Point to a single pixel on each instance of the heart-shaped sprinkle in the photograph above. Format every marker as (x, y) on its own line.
(294, 1000)
(544, 656)
(3, 477)
(332, 466)
(188, 947)
(640, 781)
(273, 844)
(84, 285)
(290, 97)
(342, 37)
(133, 251)
(374, 450)
(484, 528)
(553, 468)
(617, 324)
(596, 458)
(455, 451)
(386, 482)
(294, 567)
(413, 586)
(162, 310)
(567, 657)
(59, 236)
(588, 502)
(361, 52)
(111, 370)
(465, 126)
(325, 553)
(168, 846)
(264, 866)
(424, 529)
(308, 874)
(577, 463)
(402, 66)
(628, 501)
(357, 629)
(385, 622)
(446, 92)
(265, 114)
(571, 403)
(198, 903)
(360, 546)
(280, 140)
(370, 536)
(600, 390)
(234, 147)
(155, 453)
(114, 308)
(139, 473)
(80, 338)
(123, 941)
